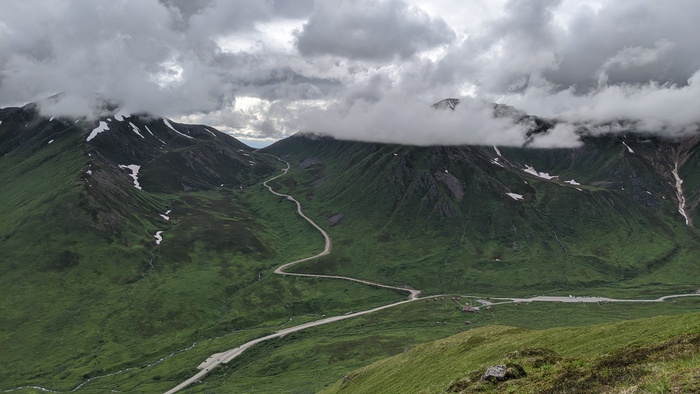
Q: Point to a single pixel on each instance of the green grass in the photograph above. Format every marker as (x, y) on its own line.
(310, 360)
(644, 353)
(81, 301)
(91, 302)
(402, 225)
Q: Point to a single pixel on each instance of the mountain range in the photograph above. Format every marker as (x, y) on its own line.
(129, 237)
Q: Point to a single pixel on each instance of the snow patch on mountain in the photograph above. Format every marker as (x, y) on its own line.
(51, 120)
(173, 129)
(50, 141)
(136, 130)
(680, 195)
(573, 182)
(165, 215)
(627, 146)
(515, 196)
(97, 130)
(498, 152)
(149, 131)
(210, 132)
(158, 237)
(134, 173)
(543, 175)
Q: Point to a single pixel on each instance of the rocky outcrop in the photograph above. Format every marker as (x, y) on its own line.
(503, 372)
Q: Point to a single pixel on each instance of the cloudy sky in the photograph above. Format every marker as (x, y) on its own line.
(362, 69)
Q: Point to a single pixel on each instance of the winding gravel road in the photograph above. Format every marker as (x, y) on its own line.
(413, 294)
(224, 357)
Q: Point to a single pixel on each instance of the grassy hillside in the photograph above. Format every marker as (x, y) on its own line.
(86, 291)
(90, 301)
(651, 355)
(440, 219)
(309, 361)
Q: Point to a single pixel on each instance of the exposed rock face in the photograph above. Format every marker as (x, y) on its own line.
(335, 219)
(503, 372)
(452, 183)
(448, 103)
(308, 162)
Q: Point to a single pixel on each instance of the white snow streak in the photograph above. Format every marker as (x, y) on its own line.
(543, 175)
(498, 163)
(50, 141)
(89, 172)
(628, 148)
(166, 217)
(158, 237)
(210, 132)
(498, 152)
(173, 129)
(573, 182)
(134, 173)
(97, 130)
(51, 120)
(136, 130)
(149, 131)
(515, 196)
(679, 194)
(0, 121)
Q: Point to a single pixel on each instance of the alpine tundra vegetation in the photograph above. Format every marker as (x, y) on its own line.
(352, 196)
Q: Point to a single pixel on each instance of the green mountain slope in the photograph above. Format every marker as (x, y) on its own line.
(88, 291)
(650, 355)
(92, 299)
(489, 220)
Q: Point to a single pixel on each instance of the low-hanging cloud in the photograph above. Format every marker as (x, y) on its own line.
(635, 63)
(363, 70)
(397, 120)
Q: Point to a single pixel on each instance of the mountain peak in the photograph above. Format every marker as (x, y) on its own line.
(448, 103)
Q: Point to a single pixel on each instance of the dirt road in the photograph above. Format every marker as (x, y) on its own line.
(413, 294)
(580, 299)
(224, 357)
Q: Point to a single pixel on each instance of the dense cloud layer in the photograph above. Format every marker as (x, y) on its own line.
(361, 69)
(371, 30)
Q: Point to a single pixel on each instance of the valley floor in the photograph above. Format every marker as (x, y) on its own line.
(217, 359)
